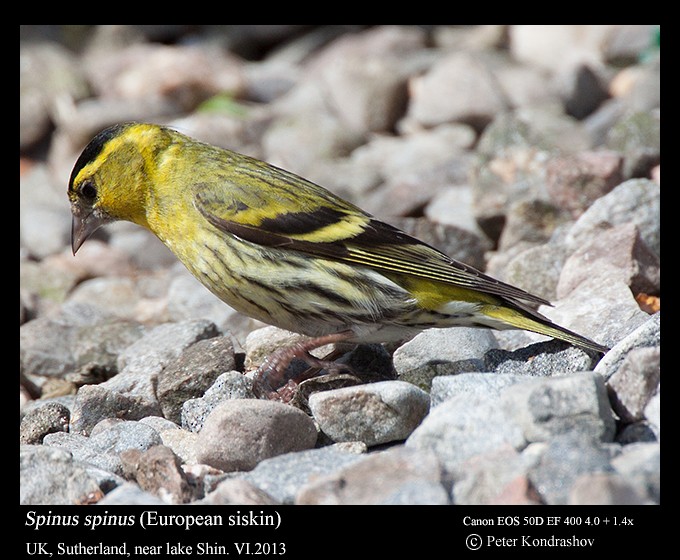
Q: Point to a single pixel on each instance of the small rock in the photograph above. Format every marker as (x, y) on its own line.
(116, 295)
(141, 362)
(555, 47)
(493, 477)
(49, 72)
(103, 449)
(452, 205)
(46, 343)
(653, 413)
(182, 73)
(282, 477)
(189, 299)
(543, 359)
(635, 382)
(364, 75)
(440, 95)
(573, 404)
(565, 459)
(298, 141)
(192, 373)
(576, 181)
(396, 476)
(647, 334)
(518, 491)
(638, 137)
(447, 386)
(95, 402)
(530, 221)
(49, 476)
(130, 494)
(46, 419)
(640, 464)
(636, 201)
(463, 426)
(182, 443)
(158, 471)
(99, 346)
(240, 433)
(604, 312)
(229, 385)
(617, 254)
(236, 491)
(583, 89)
(603, 489)
(373, 413)
(460, 349)
(536, 269)
(44, 284)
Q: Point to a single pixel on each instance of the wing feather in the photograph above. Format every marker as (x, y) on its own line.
(345, 233)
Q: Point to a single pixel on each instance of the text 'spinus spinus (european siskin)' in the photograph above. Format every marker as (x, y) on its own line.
(284, 250)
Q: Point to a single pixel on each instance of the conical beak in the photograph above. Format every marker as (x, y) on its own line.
(82, 228)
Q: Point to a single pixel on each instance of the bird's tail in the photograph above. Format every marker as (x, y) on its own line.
(530, 320)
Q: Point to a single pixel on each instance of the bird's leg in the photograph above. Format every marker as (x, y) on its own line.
(269, 379)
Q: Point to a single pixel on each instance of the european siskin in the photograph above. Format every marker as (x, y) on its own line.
(284, 250)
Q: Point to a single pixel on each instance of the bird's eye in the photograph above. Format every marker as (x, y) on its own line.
(88, 191)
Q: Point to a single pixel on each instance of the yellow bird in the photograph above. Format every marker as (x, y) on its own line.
(284, 250)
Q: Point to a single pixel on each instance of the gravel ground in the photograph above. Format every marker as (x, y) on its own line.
(529, 153)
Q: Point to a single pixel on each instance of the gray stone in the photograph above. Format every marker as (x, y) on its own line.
(575, 181)
(637, 135)
(182, 443)
(487, 477)
(395, 476)
(573, 404)
(617, 254)
(282, 477)
(440, 95)
(604, 489)
(471, 384)
(158, 471)
(544, 359)
(140, 363)
(236, 491)
(635, 382)
(640, 464)
(635, 200)
(653, 413)
(49, 476)
(229, 385)
(94, 403)
(530, 220)
(648, 334)
(192, 373)
(565, 459)
(240, 433)
(104, 447)
(130, 494)
(189, 299)
(463, 426)
(364, 76)
(48, 418)
(442, 351)
(46, 343)
(373, 413)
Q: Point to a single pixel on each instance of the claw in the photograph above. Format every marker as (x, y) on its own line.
(270, 380)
